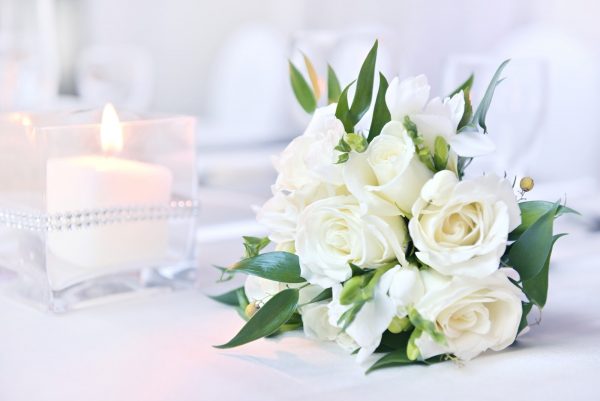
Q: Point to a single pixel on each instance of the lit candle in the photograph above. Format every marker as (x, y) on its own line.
(94, 182)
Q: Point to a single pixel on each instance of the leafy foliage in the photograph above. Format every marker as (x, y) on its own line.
(536, 288)
(230, 298)
(302, 90)
(531, 211)
(526, 306)
(478, 118)
(351, 115)
(333, 86)
(254, 245)
(277, 266)
(381, 113)
(324, 295)
(481, 112)
(342, 111)
(268, 319)
(529, 253)
(465, 87)
(364, 86)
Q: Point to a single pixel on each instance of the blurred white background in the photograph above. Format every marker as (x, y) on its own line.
(225, 62)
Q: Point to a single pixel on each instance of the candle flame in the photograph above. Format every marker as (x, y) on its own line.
(111, 132)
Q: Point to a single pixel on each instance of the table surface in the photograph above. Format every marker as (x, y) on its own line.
(159, 348)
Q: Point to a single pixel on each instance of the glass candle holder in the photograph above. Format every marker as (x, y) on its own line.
(94, 208)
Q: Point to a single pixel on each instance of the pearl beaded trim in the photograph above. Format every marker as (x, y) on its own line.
(182, 209)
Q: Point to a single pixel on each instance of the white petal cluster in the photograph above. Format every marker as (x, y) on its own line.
(365, 212)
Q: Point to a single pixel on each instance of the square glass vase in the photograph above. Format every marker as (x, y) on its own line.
(84, 220)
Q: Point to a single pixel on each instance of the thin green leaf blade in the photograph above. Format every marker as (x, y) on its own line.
(526, 307)
(267, 320)
(364, 86)
(333, 86)
(277, 266)
(324, 295)
(381, 113)
(302, 90)
(229, 298)
(392, 359)
(529, 253)
(486, 101)
(342, 111)
(465, 87)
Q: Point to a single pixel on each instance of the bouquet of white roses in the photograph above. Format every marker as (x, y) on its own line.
(381, 244)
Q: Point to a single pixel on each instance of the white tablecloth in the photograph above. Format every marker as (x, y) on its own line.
(159, 348)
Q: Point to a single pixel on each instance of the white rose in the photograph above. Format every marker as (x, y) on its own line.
(388, 177)
(404, 286)
(260, 290)
(461, 227)
(309, 160)
(438, 117)
(475, 314)
(370, 322)
(333, 232)
(280, 213)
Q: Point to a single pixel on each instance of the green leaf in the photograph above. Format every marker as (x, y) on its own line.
(356, 270)
(268, 319)
(486, 101)
(333, 86)
(526, 306)
(381, 113)
(536, 288)
(441, 152)
(529, 253)
(228, 298)
(324, 295)
(466, 88)
(393, 359)
(254, 245)
(399, 356)
(313, 76)
(467, 85)
(342, 111)
(531, 211)
(391, 341)
(364, 86)
(277, 266)
(302, 90)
